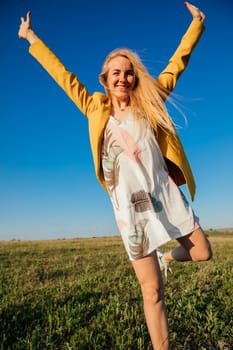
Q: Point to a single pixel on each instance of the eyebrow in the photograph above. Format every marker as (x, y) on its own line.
(118, 70)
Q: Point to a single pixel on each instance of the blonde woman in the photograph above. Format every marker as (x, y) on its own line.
(139, 160)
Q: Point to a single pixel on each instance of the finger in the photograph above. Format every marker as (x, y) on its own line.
(187, 4)
(191, 7)
(195, 11)
(28, 16)
(202, 15)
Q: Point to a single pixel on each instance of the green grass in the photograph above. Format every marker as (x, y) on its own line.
(82, 294)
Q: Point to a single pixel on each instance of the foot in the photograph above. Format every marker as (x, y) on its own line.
(164, 266)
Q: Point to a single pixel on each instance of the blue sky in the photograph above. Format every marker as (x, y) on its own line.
(47, 184)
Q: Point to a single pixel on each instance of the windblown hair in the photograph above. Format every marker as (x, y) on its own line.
(147, 97)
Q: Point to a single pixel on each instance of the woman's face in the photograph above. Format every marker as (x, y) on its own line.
(120, 78)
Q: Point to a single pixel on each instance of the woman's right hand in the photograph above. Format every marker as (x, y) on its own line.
(25, 29)
(25, 26)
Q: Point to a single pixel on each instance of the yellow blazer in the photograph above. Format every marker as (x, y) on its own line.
(96, 106)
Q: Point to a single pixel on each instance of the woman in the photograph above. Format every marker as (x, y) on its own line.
(139, 160)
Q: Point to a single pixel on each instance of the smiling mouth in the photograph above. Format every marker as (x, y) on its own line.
(123, 87)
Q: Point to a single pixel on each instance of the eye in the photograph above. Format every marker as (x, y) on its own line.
(115, 72)
(130, 72)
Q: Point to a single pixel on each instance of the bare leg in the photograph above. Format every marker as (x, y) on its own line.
(195, 247)
(149, 276)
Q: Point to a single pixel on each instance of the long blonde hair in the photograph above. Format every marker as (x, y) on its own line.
(147, 98)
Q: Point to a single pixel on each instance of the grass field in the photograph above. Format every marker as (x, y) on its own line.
(81, 294)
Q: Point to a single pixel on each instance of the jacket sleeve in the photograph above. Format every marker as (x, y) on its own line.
(179, 61)
(76, 91)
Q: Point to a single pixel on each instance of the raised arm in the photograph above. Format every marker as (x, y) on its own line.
(179, 61)
(76, 91)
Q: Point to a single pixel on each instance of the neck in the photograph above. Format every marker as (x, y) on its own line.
(120, 105)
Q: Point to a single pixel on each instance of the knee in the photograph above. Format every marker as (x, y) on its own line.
(208, 252)
(152, 294)
(204, 254)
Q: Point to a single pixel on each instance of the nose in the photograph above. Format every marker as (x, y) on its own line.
(123, 77)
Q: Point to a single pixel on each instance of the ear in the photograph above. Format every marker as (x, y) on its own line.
(103, 80)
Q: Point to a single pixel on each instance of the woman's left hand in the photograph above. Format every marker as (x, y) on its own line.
(195, 12)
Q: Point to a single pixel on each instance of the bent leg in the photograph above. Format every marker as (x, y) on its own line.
(195, 247)
(149, 276)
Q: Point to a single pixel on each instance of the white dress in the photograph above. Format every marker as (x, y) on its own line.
(149, 207)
